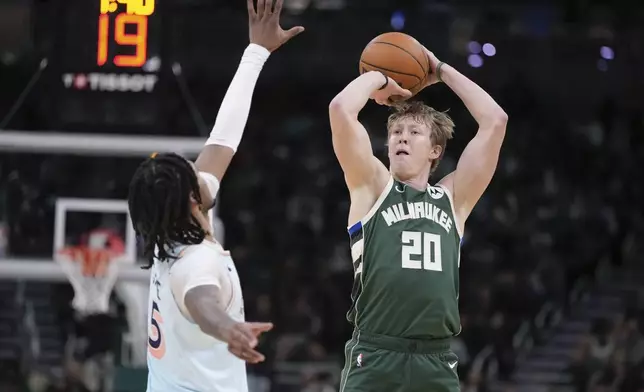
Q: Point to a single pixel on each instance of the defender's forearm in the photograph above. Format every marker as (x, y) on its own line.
(235, 107)
(355, 96)
(481, 105)
(231, 119)
(215, 322)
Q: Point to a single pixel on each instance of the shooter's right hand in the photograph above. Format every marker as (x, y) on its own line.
(390, 92)
(242, 340)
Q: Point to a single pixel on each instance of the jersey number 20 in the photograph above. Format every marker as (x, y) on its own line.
(421, 251)
(156, 341)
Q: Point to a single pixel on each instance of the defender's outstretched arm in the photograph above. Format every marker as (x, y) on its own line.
(207, 310)
(266, 36)
(201, 289)
(233, 114)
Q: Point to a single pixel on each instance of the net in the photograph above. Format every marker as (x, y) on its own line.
(92, 273)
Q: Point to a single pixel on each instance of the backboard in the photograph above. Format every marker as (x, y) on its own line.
(97, 223)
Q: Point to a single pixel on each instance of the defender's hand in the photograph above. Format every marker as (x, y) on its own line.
(242, 340)
(264, 24)
(391, 94)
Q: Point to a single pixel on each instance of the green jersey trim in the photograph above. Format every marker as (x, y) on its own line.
(451, 204)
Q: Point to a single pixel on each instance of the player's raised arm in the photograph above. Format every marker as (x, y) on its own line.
(350, 139)
(266, 36)
(478, 162)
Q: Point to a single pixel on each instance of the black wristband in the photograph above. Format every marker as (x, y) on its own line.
(386, 81)
(438, 71)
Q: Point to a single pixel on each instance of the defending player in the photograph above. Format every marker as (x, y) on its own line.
(405, 234)
(198, 338)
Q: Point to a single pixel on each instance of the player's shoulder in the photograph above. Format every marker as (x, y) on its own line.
(199, 253)
(188, 250)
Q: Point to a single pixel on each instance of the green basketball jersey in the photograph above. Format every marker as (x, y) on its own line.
(406, 253)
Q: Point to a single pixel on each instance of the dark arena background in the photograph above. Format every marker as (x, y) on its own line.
(551, 291)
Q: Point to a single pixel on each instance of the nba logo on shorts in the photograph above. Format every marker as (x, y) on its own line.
(359, 360)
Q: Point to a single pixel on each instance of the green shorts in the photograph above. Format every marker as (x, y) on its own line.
(378, 363)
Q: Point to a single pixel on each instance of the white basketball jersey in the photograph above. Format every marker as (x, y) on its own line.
(180, 356)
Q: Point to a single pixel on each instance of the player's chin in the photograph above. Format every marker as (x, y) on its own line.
(407, 169)
(400, 162)
(401, 169)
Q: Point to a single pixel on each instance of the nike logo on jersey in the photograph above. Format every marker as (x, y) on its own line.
(452, 365)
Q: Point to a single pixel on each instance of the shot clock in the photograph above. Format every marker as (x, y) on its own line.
(126, 26)
(110, 45)
(107, 62)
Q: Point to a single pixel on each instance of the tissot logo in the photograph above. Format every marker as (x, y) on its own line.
(111, 82)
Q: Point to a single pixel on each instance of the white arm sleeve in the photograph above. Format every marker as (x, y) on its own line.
(233, 113)
(198, 268)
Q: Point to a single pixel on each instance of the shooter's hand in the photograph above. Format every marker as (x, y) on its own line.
(242, 340)
(391, 93)
(432, 76)
(264, 24)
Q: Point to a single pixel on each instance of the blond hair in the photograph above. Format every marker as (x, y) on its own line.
(441, 126)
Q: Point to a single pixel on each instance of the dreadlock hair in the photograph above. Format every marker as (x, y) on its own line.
(159, 202)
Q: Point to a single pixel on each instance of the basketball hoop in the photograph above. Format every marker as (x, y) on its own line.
(92, 273)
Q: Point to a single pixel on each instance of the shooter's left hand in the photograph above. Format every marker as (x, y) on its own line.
(432, 76)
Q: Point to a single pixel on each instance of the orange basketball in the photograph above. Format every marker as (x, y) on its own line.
(398, 56)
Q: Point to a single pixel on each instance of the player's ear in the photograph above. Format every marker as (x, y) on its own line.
(196, 207)
(193, 201)
(435, 153)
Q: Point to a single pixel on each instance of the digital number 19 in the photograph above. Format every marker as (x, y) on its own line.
(139, 39)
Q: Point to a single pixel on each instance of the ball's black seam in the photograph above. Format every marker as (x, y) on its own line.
(404, 50)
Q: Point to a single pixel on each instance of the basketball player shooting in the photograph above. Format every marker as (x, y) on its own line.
(405, 234)
(198, 339)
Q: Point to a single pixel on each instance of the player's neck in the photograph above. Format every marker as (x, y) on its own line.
(418, 182)
(419, 185)
(204, 222)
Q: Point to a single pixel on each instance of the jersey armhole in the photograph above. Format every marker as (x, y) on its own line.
(182, 309)
(374, 208)
(451, 206)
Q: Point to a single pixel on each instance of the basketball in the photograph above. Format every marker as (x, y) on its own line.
(398, 56)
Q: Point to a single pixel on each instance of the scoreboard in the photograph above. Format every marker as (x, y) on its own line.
(108, 63)
(111, 63)
(111, 45)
